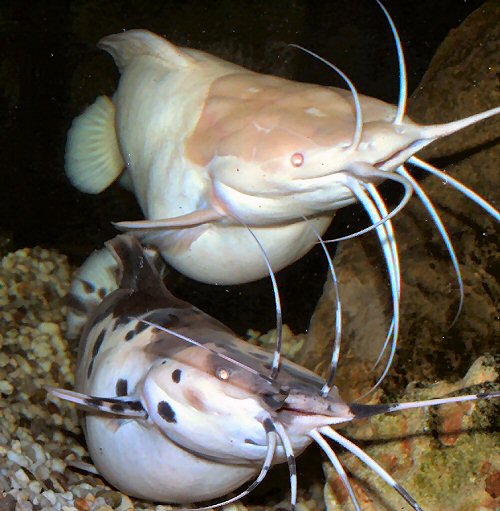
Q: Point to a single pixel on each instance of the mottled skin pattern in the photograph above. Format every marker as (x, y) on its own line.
(120, 357)
(179, 409)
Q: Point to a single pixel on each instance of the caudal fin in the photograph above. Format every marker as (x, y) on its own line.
(93, 159)
(97, 277)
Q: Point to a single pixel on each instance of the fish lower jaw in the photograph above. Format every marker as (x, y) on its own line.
(299, 422)
(399, 158)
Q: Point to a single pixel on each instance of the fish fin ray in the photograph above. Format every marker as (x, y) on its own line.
(83, 466)
(123, 263)
(200, 216)
(183, 242)
(126, 406)
(93, 159)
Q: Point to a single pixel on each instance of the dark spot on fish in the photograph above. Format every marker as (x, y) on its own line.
(173, 320)
(140, 327)
(284, 391)
(176, 375)
(91, 366)
(95, 351)
(121, 387)
(94, 401)
(135, 405)
(361, 411)
(115, 405)
(76, 303)
(98, 343)
(163, 318)
(165, 412)
(122, 320)
(291, 465)
(272, 400)
(250, 441)
(88, 287)
(269, 426)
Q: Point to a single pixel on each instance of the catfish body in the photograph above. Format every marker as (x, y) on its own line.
(149, 128)
(162, 423)
(116, 352)
(211, 149)
(177, 408)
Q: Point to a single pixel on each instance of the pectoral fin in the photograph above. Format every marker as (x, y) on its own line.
(82, 465)
(201, 216)
(123, 406)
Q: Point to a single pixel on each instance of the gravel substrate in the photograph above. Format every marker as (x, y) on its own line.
(39, 436)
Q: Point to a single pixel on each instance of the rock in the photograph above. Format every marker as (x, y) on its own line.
(447, 458)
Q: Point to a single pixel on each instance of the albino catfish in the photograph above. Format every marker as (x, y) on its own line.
(238, 173)
(213, 150)
(178, 409)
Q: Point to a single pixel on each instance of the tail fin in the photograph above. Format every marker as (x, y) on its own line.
(123, 263)
(93, 159)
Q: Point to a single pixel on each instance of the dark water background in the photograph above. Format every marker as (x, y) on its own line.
(51, 70)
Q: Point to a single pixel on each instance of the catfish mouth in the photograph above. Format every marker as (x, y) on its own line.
(310, 405)
(401, 156)
(296, 411)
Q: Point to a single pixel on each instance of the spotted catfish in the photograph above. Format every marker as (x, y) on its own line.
(178, 409)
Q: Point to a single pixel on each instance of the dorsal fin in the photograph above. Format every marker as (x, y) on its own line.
(138, 270)
(124, 47)
(124, 264)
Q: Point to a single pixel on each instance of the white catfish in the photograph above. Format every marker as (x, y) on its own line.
(178, 409)
(211, 149)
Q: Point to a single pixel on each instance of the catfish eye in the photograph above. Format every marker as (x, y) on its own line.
(223, 373)
(297, 159)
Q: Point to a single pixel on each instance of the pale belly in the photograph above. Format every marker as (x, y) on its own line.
(140, 461)
(228, 254)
